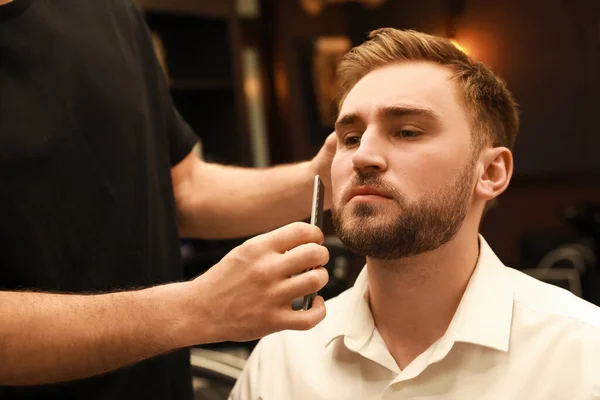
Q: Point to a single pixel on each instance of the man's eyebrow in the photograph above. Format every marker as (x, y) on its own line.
(345, 120)
(390, 111)
(409, 111)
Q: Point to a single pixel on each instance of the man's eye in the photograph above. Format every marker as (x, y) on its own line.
(351, 140)
(407, 133)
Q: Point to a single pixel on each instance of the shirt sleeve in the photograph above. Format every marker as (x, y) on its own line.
(182, 138)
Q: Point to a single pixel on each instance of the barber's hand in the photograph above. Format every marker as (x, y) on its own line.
(249, 293)
(321, 165)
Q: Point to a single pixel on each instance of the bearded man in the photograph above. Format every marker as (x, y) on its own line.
(424, 143)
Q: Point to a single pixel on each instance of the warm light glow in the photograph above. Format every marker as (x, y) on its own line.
(461, 47)
(281, 82)
(251, 86)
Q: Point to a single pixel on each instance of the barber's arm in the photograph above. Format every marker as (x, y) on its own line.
(47, 337)
(215, 201)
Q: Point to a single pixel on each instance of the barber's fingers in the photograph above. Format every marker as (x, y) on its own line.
(291, 236)
(304, 284)
(303, 320)
(303, 257)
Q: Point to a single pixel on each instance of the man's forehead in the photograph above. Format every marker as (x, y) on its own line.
(422, 84)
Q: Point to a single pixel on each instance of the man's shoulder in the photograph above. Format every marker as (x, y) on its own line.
(532, 296)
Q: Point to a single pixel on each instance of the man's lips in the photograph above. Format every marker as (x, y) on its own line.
(364, 191)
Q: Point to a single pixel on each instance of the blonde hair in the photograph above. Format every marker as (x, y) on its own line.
(490, 107)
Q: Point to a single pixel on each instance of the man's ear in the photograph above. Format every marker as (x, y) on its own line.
(497, 171)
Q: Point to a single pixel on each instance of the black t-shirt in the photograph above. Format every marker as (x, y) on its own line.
(88, 135)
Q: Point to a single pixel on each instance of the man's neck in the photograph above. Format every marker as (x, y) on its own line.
(413, 300)
(3, 2)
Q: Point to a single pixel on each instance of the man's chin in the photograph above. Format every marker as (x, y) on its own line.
(365, 229)
(371, 210)
(379, 219)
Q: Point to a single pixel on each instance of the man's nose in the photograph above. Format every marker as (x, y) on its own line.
(370, 153)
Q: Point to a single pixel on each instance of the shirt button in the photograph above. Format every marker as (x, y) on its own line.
(397, 386)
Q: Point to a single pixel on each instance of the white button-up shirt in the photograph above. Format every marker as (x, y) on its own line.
(512, 337)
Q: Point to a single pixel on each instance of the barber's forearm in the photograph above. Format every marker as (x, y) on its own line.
(46, 338)
(235, 202)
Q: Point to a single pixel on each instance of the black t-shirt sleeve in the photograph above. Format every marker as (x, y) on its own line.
(181, 136)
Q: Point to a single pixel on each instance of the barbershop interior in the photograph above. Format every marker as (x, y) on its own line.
(256, 79)
(258, 83)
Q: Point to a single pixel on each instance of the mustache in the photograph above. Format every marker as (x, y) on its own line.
(367, 178)
(375, 180)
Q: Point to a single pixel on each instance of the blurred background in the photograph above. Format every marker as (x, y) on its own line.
(256, 80)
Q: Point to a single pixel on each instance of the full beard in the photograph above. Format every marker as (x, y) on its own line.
(417, 227)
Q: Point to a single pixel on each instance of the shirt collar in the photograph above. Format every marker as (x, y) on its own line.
(483, 317)
(354, 322)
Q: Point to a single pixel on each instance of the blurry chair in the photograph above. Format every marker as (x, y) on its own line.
(214, 373)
